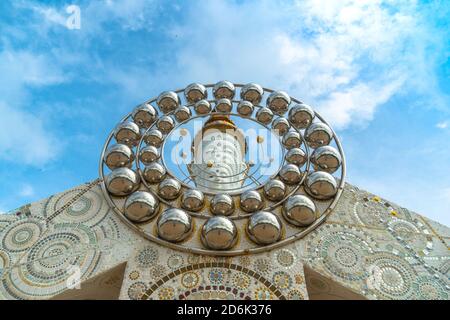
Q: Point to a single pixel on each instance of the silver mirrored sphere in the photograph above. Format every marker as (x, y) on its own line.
(144, 115)
(122, 181)
(252, 92)
(154, 137)
(278, 102)
(222, 204)
(245, 108)
(281, 126)
(224, 105)
(264, 115)
(326, 158)
(195, 92)
(202, 107)
(299, 210)
(174, 225)
(219, 233)
(274, 190)
(192, 200)
(292, 139)
(154, 172)
(264, 228)
(141, 206)
(118, 155)
(165, 124)
(301, 115)
(320, 185)
(290, 174)
(127, 133)
(224, 89)
(169, 189)
(182, 113)
(168, 101)
(251, 201)
(296, 156)
(318, 134)
(148, 154)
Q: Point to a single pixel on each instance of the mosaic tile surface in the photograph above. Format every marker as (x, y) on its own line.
(368, 245)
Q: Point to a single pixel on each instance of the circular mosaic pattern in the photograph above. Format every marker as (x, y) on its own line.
(390, 276)
(134, 275)
(285, 258)
(175, 261)
(430, 288)
(342, 251)
(262, 293)
(190, 279)
(52, 260)
(216, 276)
(134, 158)
(263, 265)
(158, 271)
(20, 236)
(89, 208)
(167, 293)
(295, 295)
(241, 281)
(282, 280)
(147, 257)
(136, 290)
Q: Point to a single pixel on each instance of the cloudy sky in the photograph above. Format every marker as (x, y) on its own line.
(377, 70)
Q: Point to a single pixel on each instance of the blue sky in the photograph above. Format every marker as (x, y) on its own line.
(377, 70)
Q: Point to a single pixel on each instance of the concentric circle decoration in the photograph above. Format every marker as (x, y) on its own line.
(19, 236)
(51, 261)
(222, 155)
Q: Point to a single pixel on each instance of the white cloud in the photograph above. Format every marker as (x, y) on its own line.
(442, 125)
(24, 136)
(27, 190)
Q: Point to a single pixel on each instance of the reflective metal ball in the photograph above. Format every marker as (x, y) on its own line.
(224, 89)
(299, 210)
(264, 115)
(292, 139)
(320, 185)
(278, 102)
(154, 172)
(141, 206)
(122, 181)
(148, 154)
(153, 137)
(118, 155)
(195, 92)
(144, 115)
(165, 124)
(318, 134)
(252, 92)
(281, 126)
(192, 200)
(168, 101)
(251, 201)
(274, 190)
(224, 105)
(169, 189)
(301, 115)
(290, 174)
(264, 228)
(202, 107)
(182, 113)
(296, 156)
(222, 204)
(174, 225)
(245, 108)
(219, 233)
(127, 133)
(326, 158)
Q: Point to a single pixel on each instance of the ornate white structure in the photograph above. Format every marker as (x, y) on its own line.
(219, 156)
(142, 232)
